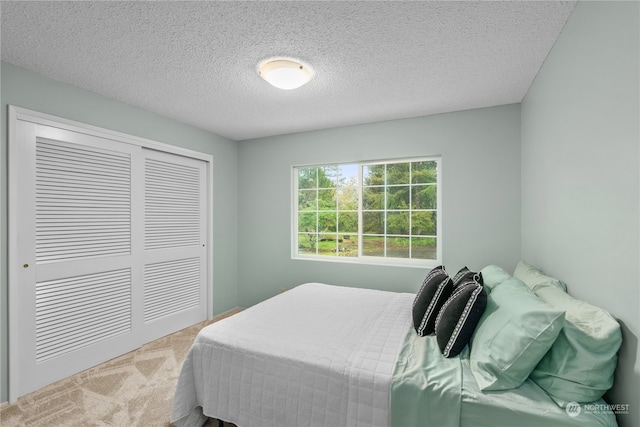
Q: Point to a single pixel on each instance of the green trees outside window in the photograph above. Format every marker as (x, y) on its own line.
(385, 210)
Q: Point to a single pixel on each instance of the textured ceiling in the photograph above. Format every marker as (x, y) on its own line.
(196, 61)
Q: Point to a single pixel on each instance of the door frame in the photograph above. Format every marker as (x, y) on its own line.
(18, 114)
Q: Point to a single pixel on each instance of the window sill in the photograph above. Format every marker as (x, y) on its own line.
(374, 261)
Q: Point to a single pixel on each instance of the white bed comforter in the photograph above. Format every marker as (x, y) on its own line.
(317, 355)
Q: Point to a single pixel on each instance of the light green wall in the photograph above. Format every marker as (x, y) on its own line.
(555, 181)
(25, 89)
(580, 172)
(480, 152)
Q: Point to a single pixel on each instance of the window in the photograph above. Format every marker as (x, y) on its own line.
(379, 212)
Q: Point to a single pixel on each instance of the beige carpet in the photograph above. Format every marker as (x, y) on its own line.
(135, 389)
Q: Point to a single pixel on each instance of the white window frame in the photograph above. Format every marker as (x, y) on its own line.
(360, 258)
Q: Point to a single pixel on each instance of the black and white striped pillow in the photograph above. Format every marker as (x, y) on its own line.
(435, 290)
(459, 316)
(464, 275)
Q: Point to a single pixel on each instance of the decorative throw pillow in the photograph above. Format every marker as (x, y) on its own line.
(435, 290)
(580, 365)
(459, 316)
(514, 333)
(464, 275)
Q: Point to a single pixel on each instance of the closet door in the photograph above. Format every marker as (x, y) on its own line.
(75, 291)
(108, 249)
(174, 255)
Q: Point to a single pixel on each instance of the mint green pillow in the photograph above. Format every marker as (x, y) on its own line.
(492, 276)
(534, 278)
(513, 334)
(580, 365)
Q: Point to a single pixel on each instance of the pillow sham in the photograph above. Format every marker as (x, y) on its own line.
(493, 276)
(513, 334)
(459, 316)
(464, 275)
(581, 364)
(435, 290)
(534, 278)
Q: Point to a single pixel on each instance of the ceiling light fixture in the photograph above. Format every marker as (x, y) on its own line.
(284, 73)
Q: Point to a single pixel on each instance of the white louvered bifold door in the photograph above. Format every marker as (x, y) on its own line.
(110, 247)
(174, 249)
(76, 234)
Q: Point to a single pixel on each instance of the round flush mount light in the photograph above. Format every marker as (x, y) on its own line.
(285, 73)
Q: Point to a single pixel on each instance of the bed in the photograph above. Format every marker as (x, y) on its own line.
(323, 355)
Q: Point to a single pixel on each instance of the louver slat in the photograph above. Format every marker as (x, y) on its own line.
(75, 312)
(170, 287)
(172, 205)
(83, 201)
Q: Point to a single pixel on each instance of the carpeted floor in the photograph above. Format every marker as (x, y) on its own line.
(135, 389)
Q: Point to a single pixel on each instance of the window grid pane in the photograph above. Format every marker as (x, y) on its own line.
(404, 205)
(327, 210)
(394, 205)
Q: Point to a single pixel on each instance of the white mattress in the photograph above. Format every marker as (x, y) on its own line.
(316, 355)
